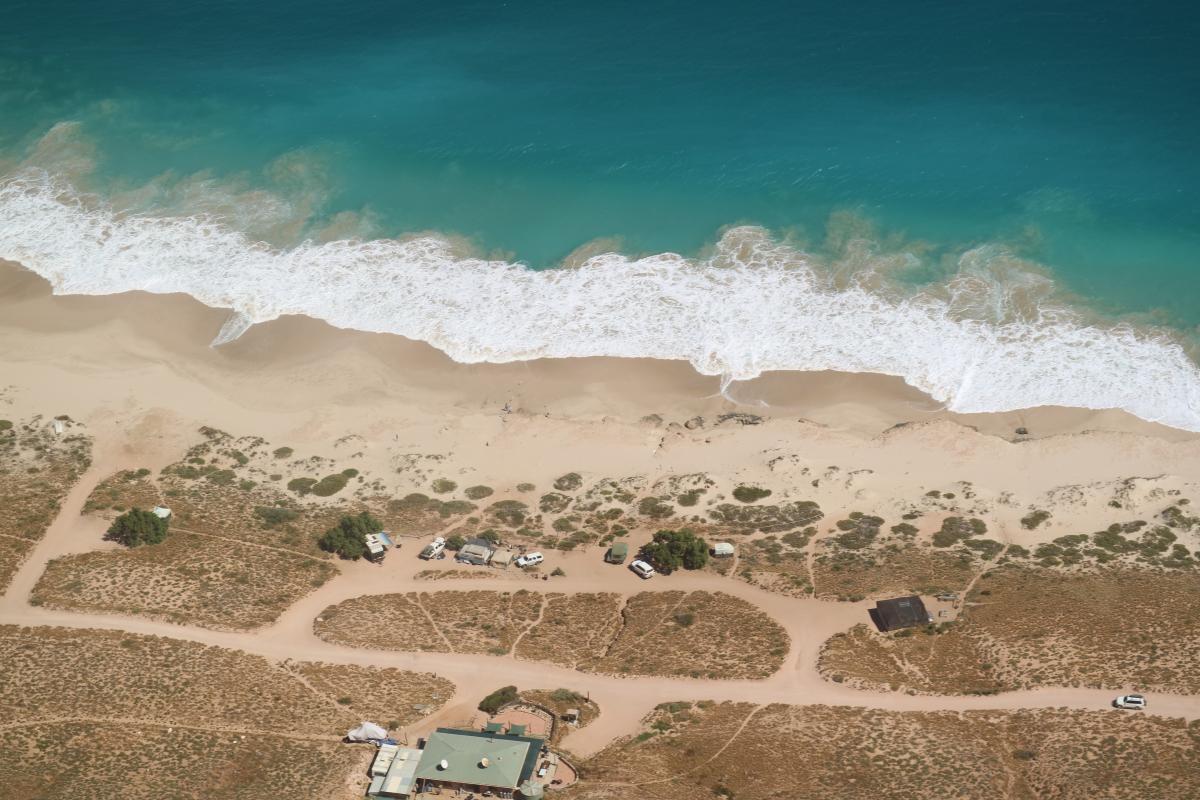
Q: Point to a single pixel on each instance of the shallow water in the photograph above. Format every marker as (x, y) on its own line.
(967, 191)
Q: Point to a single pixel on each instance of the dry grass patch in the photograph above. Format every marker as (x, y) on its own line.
(13, 553)
(453, 574)
(58, 673)
(777, 563)
(122, 491)
(186, 579)
(858, 754)
(105, 714)
(482, 621)
(115, 761)
(694, 634)
(892, 569)
(37, 469)
(1025, 628)
(381, 622)
(392, 697)
(462, 622)
(575, 629)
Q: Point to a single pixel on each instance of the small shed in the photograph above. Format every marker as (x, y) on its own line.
(503, 557)
(162, 512)
(571, 716)
(617, 553)
(477, 551)
(900, 612)
(722, 550)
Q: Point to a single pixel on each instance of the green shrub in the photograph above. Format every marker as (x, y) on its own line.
(478, 492)
(443, 486)
(1034, 518)
(955, 529)
(301, 486)
(525, 487)
(241, 458)
(497, 699)
(553, 503)
(329, 485)
(283, 452)
(137, 527)
(509, 512)
(350, 473)
(275, 515)
(569, 482)
(858, 531)
(689, 498)
(750, 494)
(655, 508)
(669, 550)
(5, 424)
(222, 477)
(455, 542)
(348, 539)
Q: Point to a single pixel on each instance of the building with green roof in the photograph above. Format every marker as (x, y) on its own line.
(477, 761)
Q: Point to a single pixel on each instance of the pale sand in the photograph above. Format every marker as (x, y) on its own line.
(138, 371)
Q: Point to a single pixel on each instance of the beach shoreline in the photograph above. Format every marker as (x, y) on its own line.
(176, 330)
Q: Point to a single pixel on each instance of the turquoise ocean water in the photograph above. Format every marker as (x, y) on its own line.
(1030, 166)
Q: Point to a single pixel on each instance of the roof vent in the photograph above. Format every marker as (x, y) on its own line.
(443, 764)
(483, 762)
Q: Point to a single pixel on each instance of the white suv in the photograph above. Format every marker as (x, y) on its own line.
(642, 569)
(1131, 701)
(529, 559)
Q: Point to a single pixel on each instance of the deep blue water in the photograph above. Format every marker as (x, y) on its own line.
(1066, 129)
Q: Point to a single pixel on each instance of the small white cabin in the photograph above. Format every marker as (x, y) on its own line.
(722, 550)
(162, 512)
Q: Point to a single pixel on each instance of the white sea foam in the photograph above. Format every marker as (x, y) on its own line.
(752, 305)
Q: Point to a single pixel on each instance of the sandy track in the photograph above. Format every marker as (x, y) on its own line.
(624, 701)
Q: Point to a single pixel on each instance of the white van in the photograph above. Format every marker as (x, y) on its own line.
(642, 569)
(433, 549)
(529, 559)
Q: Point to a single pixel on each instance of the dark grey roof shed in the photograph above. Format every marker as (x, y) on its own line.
(899, 612)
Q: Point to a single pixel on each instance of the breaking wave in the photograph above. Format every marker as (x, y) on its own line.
(751, 305)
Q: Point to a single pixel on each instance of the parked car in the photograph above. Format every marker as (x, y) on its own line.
(642, 569)
(617, 553)
(433, 549)
(1131, 701)
(529, 559)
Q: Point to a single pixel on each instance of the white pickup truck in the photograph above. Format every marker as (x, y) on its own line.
(433, 549)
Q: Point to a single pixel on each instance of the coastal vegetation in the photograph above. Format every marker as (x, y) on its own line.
(692, 634)
(138, 527)
(348, 539)
(670, 550)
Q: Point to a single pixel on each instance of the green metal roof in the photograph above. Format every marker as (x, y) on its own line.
(494, 727)
(516, 730)
(510, 758)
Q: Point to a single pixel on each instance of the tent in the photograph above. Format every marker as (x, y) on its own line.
(366, 732)
(722, 549)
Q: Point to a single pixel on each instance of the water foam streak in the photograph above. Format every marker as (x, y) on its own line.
(753, 305)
